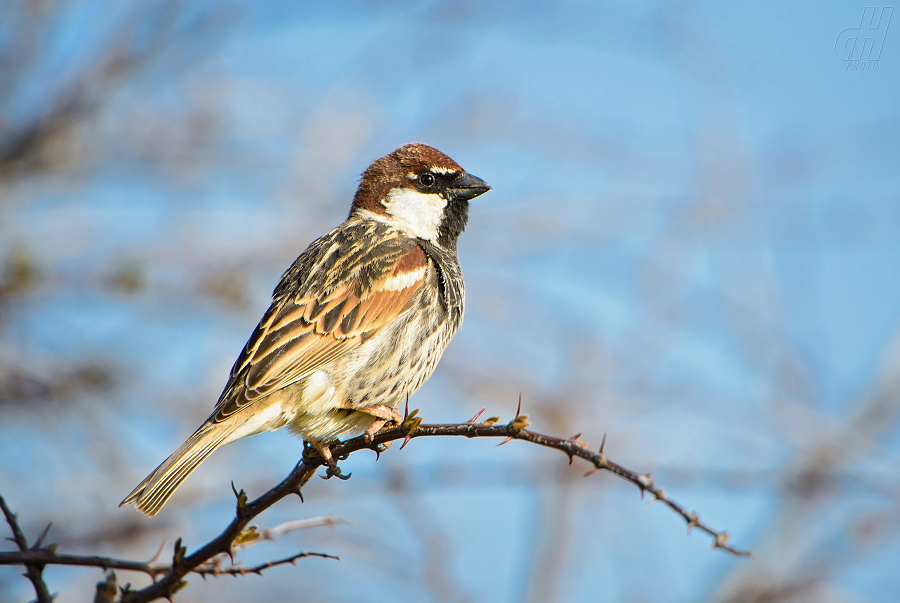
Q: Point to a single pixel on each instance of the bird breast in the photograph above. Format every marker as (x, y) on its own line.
(390, 366)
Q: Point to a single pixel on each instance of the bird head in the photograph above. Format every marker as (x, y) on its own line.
(420, 191)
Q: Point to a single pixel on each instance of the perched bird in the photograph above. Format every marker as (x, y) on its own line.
(357, 323)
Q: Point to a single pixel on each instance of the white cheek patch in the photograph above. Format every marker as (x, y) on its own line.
(419, 214)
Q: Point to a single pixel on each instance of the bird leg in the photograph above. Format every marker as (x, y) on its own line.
(383, 415)
(325, 452)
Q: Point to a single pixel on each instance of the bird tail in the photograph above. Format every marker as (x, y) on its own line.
(151, 494)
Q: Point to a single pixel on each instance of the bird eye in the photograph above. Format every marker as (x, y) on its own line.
(426, 179)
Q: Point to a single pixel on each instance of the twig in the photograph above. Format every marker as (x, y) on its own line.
(215, 569)
(47, 556)
(42, 557)
(269, 534)
(572, 448)
(33, 570)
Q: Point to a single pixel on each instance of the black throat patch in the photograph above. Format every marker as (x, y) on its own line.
(453, 223)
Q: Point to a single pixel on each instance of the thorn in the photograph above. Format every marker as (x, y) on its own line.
(574, 440)
(156, 557)
(603, 443)
(520, 421)
(721, 540)
(40, 539)
(658, 495)
(508, 438)
(646, 481)
(410, 423)
(406, 410)
(379, 448)
(299, 493)
(407, 439)
(478, 414)
(592, 471)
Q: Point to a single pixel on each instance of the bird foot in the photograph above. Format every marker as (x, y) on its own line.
(332, 469)
(335, 471)
(374, 428)
(387, 417)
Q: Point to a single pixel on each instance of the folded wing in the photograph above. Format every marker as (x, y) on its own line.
(324, 319)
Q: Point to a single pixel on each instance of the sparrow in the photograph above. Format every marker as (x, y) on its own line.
(356, 325)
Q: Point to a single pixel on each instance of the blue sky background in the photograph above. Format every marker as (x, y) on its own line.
(692, 245)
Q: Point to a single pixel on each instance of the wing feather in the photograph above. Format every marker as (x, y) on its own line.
(330, 301)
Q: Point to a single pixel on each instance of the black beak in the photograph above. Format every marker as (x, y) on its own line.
(466, 187)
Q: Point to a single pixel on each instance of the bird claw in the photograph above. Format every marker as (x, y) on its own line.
(335, 471)
(379, 448)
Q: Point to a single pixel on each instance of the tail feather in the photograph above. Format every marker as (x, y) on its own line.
(151, 494)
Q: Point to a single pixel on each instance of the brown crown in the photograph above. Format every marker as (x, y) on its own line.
(391, 171)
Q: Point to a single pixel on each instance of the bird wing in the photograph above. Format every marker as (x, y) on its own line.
(340, 291)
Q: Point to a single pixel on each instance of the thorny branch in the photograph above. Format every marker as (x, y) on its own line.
(46, 556)
(33, 570)
(206, 560)
(238, 570)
